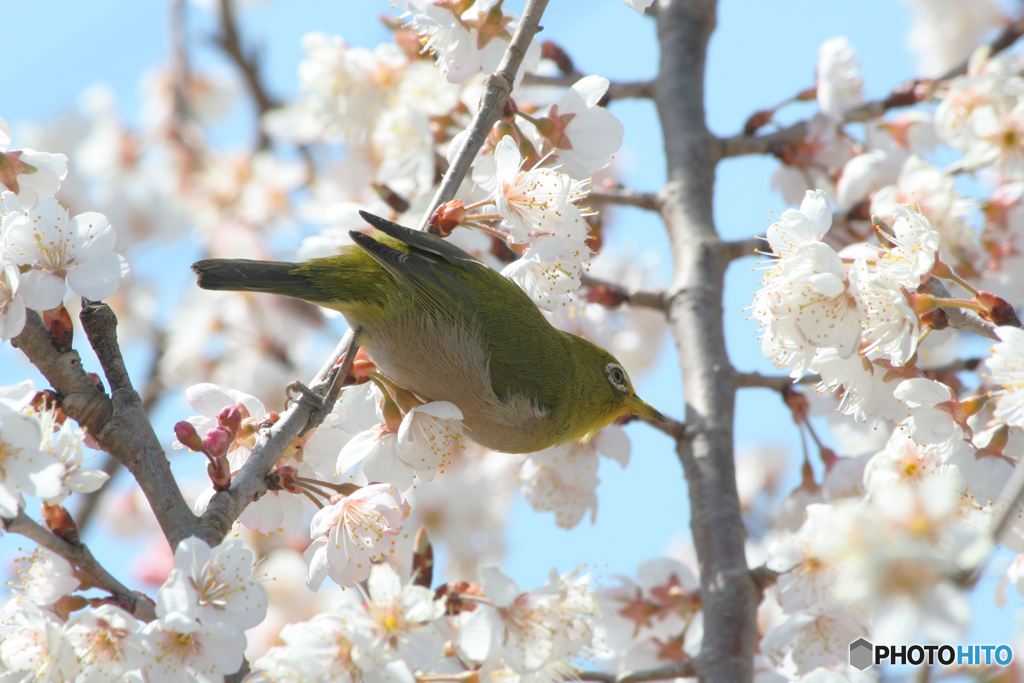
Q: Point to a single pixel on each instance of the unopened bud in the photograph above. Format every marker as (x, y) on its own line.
(230, 418)
(447, 217)
(58, 322)
(186, 433)
(807, 95)
(757, 120)
(267, 421)
(998, 310)
(60, 522)
(217, 441)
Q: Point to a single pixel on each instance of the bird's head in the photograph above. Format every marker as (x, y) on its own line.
(605, 390)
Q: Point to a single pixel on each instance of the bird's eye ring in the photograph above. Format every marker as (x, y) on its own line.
(616, 375)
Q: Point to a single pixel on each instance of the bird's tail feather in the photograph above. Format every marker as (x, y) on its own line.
(243, 275)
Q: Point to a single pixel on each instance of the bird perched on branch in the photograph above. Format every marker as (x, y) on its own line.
(448, 328)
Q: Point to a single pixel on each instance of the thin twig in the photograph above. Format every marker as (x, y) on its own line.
(79, 556)
(684, 669)
(903, 95)
(612, 294)
(959, 318)
(624, 197)
(616, 90)
(251, 482)
(746, 380)
(497, 88)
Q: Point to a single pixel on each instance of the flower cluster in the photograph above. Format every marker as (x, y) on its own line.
(206, 603)
(42, 453)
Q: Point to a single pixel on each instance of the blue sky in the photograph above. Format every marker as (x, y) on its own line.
(761, 53)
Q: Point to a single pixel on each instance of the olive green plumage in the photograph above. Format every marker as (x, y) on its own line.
(448, 328)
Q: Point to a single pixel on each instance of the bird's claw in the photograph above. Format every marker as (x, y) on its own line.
(311, 396)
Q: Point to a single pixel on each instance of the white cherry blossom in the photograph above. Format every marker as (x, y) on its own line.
(45, 577)
(12, 305)
(352, 532)
(840, 87)
(24, 466)
(1006, 368)
(79, 250)
(214, 585)
(35, 644)
(807, 578)
(107, 641)
(584, 135)
(182, 648)
(33, 176)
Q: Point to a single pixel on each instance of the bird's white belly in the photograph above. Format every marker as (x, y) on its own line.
(450, 363)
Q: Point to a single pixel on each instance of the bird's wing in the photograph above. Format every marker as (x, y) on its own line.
(420, 240)
(448, 281)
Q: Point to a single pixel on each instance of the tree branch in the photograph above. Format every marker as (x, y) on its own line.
(729, 594)
(611, 294)
(684, 669)
(79, 556)
(624, 197)
(959, 318)
(497, 88)
(751, 246)
(616, 90)
(250, 483)
(118, 422)
(230, 42)
(903, 95)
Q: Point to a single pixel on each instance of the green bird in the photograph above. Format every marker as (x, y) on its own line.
(448, 328)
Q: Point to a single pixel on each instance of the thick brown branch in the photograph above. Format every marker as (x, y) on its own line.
(611, 294)
(728, 592)
(497, 88)
(685, 669)
(643, 200)
(752, 246)
(79, 556)
(616, 90)
(118, 422)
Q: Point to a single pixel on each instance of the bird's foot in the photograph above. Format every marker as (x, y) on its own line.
(311, 396)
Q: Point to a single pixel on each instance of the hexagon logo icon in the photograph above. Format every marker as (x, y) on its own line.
(861, 654)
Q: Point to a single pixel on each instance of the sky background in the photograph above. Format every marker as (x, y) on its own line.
(760, 54)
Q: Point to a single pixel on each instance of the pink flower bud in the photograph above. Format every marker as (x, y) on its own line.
(187, 435)
(230, 418)
(217, 441)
